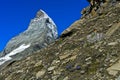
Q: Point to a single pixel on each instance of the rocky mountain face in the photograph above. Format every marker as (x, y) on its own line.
(88, 50)
(41, 32)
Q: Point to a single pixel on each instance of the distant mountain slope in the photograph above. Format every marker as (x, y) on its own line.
(41, 32)
(88, 50)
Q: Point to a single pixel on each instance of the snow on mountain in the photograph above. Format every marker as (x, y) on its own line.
(54, 31)
(14, 52)
(42, 15)
(41, 32)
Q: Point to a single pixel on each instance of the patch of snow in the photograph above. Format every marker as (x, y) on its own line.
(46, 16)
(54, 32)
(4, 59)
(49, 34)
(17, 50)
(50, 25)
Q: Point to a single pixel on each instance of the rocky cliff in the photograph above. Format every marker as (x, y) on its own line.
(41, 32)
(88, 50)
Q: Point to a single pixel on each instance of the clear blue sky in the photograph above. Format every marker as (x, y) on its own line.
(15, 15)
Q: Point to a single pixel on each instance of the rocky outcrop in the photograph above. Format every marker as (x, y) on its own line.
(41, 32)
(88, 50)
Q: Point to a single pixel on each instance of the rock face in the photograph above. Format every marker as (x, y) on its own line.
(88, 50)
(41, 32)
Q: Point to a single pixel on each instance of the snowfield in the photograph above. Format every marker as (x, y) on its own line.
(14, 52)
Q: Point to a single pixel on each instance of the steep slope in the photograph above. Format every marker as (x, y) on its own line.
(41, 32)
(88, 50)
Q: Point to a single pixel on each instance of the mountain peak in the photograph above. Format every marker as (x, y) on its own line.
(41, 32)
(41, 14)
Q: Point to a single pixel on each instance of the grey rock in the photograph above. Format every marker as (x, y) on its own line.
(0, 53)
(82, 72)
(66, 78)
(51, 68)
(93, 37)
(118, 78)
(41, 32)
(39, 74)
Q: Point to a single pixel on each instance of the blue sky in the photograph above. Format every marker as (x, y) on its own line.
(15, 15)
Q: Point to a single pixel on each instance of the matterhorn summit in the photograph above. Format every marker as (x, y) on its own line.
(41, 32)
